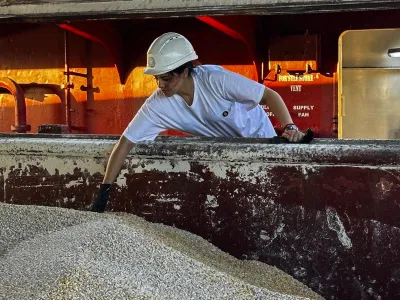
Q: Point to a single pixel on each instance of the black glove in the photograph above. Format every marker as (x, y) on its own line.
(99, 204)
(308, 137)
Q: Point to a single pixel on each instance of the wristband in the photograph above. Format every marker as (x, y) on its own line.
(290, 126)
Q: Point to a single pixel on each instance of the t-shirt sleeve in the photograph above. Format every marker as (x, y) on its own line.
(238, 88)
(145, 126)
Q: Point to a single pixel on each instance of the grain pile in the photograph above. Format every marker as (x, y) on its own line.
(55, 253)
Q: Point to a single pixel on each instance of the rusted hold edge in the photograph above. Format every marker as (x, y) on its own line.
(63, 10)
(373, 153)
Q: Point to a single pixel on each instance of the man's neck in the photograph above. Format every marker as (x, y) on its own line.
(187, 90)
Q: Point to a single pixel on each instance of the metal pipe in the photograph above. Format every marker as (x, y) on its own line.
(67, 86)
(20, 106)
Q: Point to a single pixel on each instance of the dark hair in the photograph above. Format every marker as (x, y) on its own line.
(179, 70)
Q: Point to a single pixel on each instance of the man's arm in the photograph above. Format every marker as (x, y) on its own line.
(275, 102)
(117, 158)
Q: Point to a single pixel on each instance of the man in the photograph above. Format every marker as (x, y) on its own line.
(203, 101)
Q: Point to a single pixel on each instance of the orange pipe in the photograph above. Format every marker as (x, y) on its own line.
(20, 107)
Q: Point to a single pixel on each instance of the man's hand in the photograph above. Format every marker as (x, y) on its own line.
(278, 107)
(293, 135)
(99, 204)
(117, 157)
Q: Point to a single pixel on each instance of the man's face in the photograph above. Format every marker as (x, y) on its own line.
(170, 83)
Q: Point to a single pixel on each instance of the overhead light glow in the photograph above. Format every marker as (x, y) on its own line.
(394, 52)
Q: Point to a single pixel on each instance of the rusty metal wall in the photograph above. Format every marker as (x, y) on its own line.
(327, 213)
(105, 107)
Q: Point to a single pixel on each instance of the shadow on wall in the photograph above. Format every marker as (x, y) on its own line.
(42, 47)
(39, 91)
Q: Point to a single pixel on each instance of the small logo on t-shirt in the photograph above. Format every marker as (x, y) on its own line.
(225, 113)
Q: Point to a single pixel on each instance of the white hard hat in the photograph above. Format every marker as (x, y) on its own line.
(168, 52)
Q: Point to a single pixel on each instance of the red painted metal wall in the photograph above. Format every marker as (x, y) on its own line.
(101, 104)
(311, 100)
(106, 107)
(106, 100)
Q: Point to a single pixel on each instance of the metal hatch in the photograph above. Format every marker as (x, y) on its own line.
(369, 85)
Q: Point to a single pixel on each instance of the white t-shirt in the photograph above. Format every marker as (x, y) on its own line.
(225, 104)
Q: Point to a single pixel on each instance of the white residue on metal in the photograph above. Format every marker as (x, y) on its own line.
(164, 198)
(280, 228)
(36, 185)
(335, 224)
(219, 169)
(161, 166)
(177, 207)
(307, 169)
(181, 166)
(255, 173)
(250, 172)
(211, 201)
(73, 183)
(300, 272)
(264, 234)
(384, 186)
(52, 164)
(379, 228)
(121, 179)
(59, 147)
(303, 211)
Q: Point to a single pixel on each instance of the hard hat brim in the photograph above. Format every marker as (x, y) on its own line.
(166, 69)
